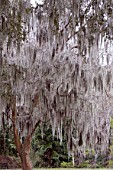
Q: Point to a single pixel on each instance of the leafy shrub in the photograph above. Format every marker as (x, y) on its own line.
(66, 165)
(48, 151)
(110, 163)
(111, 122)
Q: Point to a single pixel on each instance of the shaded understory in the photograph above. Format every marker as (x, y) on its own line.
(48, 152)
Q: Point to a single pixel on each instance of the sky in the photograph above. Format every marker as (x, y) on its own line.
(34, 2)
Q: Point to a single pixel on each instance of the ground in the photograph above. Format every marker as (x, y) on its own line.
(8, 162)
(65, 169)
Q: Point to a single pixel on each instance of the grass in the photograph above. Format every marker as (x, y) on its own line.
(72, 169)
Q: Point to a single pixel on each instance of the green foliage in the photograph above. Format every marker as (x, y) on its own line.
(66, 165)
(85, 164)
(89, 152)
(110, 163)
(7, 146)
(111, 122)
(48, 151)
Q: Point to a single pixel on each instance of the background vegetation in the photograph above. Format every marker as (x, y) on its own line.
(48, 152)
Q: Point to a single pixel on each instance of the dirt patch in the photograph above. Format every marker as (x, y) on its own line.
(7, 162)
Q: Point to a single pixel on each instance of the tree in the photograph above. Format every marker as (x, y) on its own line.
(50, 69)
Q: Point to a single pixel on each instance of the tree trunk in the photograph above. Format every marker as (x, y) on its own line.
(22, 148)
(25, 154)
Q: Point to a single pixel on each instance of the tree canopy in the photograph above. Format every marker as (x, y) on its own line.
(51, 69)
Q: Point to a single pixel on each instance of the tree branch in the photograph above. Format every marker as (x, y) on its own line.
(37, 124)
(9, 117)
